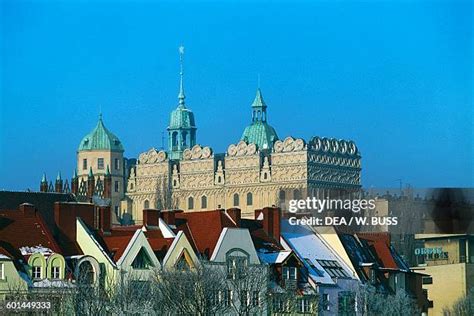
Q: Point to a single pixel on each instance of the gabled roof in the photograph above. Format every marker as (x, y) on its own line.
(118, 239)
(203, 229)
(18, 230)
(313, 252)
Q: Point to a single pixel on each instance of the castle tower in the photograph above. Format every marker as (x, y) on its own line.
(98, 150)
(259, 131)
(182, 128)
(58, 185)
(44, 184)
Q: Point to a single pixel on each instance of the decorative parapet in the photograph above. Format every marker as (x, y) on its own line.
(152, 156)
(242, 149)
(290, 144)
(333, 146)
(197, 152)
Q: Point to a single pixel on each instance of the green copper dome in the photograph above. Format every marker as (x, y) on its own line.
(259, 131)
(182, 117)
(100, 139)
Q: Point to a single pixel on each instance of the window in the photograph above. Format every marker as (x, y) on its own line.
(204, 201)
(100, 163)
(190, 203)
(2, 271)
(236, 199)
(304, 306)
(249, 199)
(36, 272)
(236, 267)
(333, 268)
(117, 209)
(117, 186)
(56, 272)
(227, 297)
(255, 298)
(346, 302)
(182, 264)
(146, 204)
(84, 164)
(244, 298)
(278, 304)
(427, 280)
(184, 136)
(117, 164)
(325, 302)
(142, 261)
(282, 196)
(296, 194)
(289, 273)
(265, 176)
(219, 179)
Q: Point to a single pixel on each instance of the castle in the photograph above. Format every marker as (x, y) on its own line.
(259, 170)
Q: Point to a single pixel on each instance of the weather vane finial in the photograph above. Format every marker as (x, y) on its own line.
(181, 87)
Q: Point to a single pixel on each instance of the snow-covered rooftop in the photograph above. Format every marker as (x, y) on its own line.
(35, 249)
(274, 257)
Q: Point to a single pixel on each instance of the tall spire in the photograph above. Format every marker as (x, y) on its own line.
(181, 95)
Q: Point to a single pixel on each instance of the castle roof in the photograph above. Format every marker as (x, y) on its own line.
(100, 138)
(259, 132)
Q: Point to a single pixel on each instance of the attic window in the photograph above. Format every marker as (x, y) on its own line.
(86, 141)
(333, 268)
(116, 141)
(142, 261)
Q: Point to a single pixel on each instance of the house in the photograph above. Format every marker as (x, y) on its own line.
(289, 288)
(448, 262)
(326, 272)
(227, 249)
(30, 256)
(378, 264)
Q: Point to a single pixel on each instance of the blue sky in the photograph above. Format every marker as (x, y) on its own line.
(395, 76)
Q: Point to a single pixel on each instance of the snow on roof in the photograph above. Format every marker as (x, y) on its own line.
(274, 257)
(310, 249)
(52, 283)
(2, 256)
(35, 249)
(165, 229)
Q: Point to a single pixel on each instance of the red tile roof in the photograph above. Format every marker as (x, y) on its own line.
(203, 229)
(18, 230)
(119, 237)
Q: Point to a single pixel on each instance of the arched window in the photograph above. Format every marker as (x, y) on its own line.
(265, 176)
(146, 204)
(203, 201)
(296, 194)
(219, 179)
(249, 198)
(236, 199)
(190, 203)
(282, 196)
(174, 139)
(184, 138)
(86, 273)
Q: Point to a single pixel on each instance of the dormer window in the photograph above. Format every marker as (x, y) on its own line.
(142, 261)
(289, 273)
(36, 272)
(236, 267)
(56, 273)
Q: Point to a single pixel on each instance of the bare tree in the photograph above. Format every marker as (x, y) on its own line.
(371, 301)
(192, 291)
(462, 307)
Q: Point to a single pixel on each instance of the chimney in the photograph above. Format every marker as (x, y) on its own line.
(28, 210)
(271, 222)
(65, 214)
(235, 214)
(151, 217)
(104, 219)
(169, 216)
